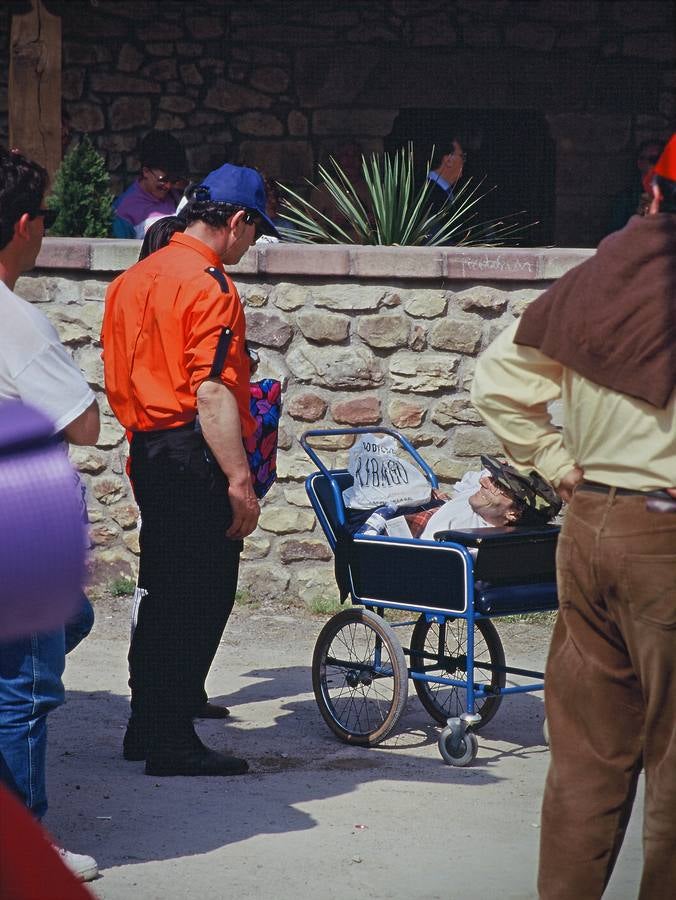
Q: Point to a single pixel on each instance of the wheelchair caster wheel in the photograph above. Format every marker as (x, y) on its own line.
(458, 751)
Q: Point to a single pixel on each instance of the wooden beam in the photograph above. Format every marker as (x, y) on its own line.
(35, 86)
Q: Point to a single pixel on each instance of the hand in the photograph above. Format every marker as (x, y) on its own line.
(245, 510)
(672, 492)
(569, 482)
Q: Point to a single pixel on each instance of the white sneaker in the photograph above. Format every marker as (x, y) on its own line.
(83, 867)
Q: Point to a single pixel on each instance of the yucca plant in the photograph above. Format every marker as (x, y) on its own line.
(396, 211)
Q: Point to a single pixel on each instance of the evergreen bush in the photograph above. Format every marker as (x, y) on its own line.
(82, 194)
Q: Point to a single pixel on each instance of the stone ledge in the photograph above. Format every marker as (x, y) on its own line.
(340, 260)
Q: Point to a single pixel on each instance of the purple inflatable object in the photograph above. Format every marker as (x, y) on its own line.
(42, 533)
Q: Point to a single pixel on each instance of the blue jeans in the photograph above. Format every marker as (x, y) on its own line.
(30, 687)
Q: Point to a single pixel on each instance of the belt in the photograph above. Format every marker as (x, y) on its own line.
(599, 488)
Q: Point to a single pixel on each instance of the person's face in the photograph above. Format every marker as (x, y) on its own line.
(157, 182)
(452, 164)
(492, 503)
(241, 233)
(648, 157)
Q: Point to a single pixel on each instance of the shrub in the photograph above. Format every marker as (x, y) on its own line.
(82, 194)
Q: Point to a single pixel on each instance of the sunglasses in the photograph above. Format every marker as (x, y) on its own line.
(255, 220)
(166, 179)
(49, 216)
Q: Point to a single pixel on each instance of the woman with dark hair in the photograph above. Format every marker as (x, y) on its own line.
(159, 234)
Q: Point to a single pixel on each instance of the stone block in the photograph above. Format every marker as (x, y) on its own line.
(126, 516)
(72, 83)
(306, 407)
(230, 97)
(353, 121)
(129, 59)
(286, 520)
(425, 304)
(321, 77)
(451, 411)
(469, 440)
(131, 541)
(520, 300)
(258, 123)
(255, 547)
(404, 414)
(33, 288)
(480, 34)
(160, 48)
(299, 259)
(556, 262)
(289, 161)
(117, 83)
(290, 296)
(297, 123)
(323, 327)
(298, 551)
(355, 298)
(605, 133)
(190, 74)
(296, 496)
(396, 262)
(293, 466)
(108, 490)
(267, 329)
(491, 264)
(448, 469)
(159, 30)
(270, 79)
(112, 255)
(285, 438)
(423, 373)
(87, 460)
(86, 117)
(110, 436)
(655, 46)
(384, 332)
(263, 583)
(205, 27)
(480, 297)
(129, 112)
(102, 534)
(357, 412)
(89, 360)
(177, 104)
(456, 334)
(333, 442)
(338, 368)
(418, 338)
(168, 122)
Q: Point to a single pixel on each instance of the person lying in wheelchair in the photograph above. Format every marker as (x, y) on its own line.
(496, 496)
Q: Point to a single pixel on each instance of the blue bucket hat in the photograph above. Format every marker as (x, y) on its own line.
(239, 186)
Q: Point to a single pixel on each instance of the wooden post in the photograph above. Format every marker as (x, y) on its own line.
(35, 86)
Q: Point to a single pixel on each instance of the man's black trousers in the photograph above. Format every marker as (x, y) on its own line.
(188, 570)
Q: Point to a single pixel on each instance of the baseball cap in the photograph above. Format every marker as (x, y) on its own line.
(239, 186)
(532, 490)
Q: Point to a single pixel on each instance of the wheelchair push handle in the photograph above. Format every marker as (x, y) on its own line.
(324, 432)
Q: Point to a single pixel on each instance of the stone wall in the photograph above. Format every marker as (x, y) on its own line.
(277, 84)
(358, 336)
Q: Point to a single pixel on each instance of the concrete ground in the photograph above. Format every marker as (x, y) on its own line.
(314, 817)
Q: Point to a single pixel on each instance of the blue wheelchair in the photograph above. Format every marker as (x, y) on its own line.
(454, 585)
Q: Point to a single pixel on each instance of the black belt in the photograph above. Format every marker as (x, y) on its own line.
(599, 488)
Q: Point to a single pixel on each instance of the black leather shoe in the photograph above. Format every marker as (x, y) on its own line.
(212, 711)
(134, 747)
(202, 761)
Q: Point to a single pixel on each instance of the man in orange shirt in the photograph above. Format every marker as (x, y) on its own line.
(177, 378)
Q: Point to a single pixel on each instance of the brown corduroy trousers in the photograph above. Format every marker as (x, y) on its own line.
(610, 698)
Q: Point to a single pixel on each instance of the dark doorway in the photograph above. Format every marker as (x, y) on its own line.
(511, 147)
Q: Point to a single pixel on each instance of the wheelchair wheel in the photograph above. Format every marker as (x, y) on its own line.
(359, 676)
(442, 650)
(461, 754)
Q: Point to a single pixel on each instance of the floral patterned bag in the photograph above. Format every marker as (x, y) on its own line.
(261, 446)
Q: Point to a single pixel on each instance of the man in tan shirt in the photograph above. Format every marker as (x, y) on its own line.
(603, 339)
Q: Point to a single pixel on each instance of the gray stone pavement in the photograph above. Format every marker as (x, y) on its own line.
(314, 817)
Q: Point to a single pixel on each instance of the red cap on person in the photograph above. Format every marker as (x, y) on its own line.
(666, 164)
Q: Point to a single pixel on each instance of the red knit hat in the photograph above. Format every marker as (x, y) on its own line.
(666, 164)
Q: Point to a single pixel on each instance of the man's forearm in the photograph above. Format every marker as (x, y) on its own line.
(219, 420)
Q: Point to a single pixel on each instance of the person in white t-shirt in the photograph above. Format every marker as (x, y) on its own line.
(36, 369)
